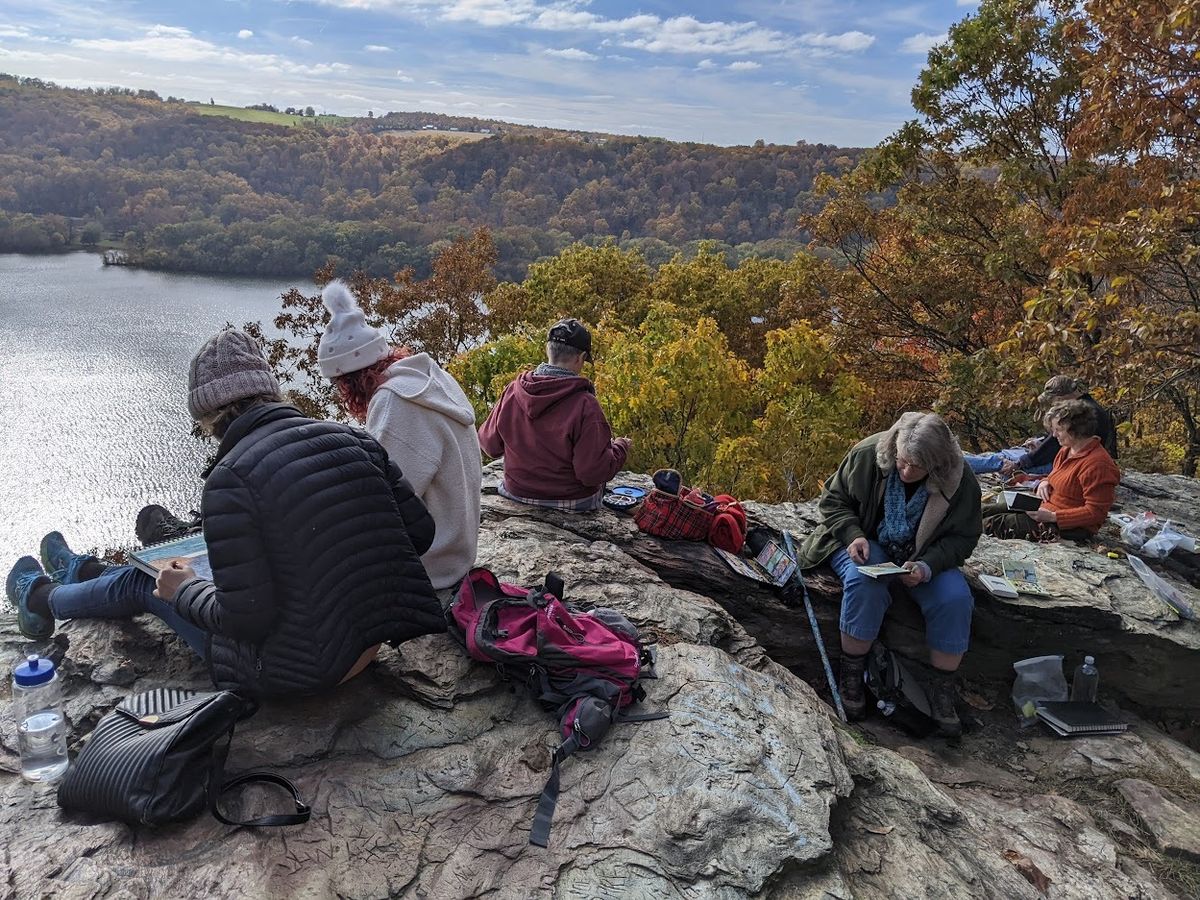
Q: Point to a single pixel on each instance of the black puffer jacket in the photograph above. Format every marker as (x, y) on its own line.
(315, 539)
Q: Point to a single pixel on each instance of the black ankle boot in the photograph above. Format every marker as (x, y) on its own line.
(943, 695)
(850, 685)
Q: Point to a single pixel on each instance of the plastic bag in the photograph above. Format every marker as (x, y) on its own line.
(1137, 529)
(1162, 589)
(1039, 678)
(1167, 539)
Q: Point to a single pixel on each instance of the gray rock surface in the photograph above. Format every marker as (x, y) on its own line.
(1147, 656)
(1174, 823)
(424, 772)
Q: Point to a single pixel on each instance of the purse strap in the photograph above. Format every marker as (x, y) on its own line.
(302, 814)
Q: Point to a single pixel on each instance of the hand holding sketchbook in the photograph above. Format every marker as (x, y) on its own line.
(882, 570)
(189, 550)
(1018, 500)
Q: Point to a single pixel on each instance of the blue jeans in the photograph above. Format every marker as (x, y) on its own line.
(119, 593)
(945, 601)
(982, 463)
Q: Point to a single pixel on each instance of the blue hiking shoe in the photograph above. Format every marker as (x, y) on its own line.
(24, 577)
(61, 562)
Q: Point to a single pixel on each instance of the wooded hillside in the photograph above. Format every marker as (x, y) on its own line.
(183, 190)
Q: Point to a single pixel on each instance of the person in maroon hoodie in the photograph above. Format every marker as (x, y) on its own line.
(558, 449)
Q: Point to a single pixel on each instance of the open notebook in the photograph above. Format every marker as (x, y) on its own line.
(189, 549)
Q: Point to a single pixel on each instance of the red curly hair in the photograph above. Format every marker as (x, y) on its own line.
(355, 389)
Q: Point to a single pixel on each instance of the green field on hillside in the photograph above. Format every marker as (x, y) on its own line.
(262, 115)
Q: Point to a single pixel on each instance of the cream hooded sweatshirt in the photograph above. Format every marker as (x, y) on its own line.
(423, 419)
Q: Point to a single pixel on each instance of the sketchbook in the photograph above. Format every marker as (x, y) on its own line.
(1078, 717)
(189, 549)
(999, 587)
(771, 566)
(1024, 577)
(882, 570)
(1018, 500)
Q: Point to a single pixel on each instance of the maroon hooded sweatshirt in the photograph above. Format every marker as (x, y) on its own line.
(554, 438)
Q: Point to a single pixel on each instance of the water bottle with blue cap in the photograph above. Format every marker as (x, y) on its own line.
(41, 728)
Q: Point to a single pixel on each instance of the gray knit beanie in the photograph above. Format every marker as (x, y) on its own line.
(229, 367)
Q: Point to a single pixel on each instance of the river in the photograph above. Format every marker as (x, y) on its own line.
(93, 393)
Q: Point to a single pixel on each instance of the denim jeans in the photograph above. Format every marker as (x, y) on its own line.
(945, 601)
(122, 592)
(982, 463)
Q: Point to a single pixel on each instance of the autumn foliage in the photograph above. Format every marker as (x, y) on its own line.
(1040, 216)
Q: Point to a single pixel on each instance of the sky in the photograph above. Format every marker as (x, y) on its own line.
(730, 72)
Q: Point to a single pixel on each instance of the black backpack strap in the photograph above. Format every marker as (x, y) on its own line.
(539, 834)
(641, 717)
(303, 811)
(555, 585)
(302, 814)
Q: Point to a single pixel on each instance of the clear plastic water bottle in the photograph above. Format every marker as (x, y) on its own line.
(41, 728)
(885, 707)
(1086, 681)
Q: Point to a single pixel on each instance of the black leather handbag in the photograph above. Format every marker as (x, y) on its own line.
(159, 757)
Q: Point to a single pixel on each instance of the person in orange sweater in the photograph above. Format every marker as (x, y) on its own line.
(1079, 491)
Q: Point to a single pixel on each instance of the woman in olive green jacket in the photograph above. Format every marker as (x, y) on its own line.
(903, 496)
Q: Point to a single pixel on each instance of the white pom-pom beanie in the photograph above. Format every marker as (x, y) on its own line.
(349, 343)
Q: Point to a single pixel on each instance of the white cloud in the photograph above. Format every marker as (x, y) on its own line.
(968, 2)
(490, 13)
(245, 33)
(14, 31)
(706, 64)
(571, 53)
(921, 43)
(684, 34)
(299, 41)
(846, 42)
(178, 45)
(744, 65)
(377, 48)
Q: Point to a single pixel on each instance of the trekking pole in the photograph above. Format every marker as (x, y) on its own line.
(812, 620)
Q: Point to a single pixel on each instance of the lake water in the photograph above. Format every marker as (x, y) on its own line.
(93, 393)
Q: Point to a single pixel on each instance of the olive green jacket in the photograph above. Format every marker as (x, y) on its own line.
(852, 506)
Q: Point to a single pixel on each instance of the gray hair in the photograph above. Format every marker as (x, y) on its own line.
(216, 423)
(558, 352)
(924, 439)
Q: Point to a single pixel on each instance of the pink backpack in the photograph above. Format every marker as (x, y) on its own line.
(583, 665)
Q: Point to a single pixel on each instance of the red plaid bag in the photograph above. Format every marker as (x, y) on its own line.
(675, 518)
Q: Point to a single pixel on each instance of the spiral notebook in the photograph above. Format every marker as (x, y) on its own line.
(189, 550)
(1079, 717)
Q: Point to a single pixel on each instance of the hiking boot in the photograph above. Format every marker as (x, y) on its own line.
(25, 577)
(64, 565)
(942, 697)
(850, 686)
(156, 524)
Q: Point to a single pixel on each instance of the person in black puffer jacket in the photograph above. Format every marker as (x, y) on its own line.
(314, 538)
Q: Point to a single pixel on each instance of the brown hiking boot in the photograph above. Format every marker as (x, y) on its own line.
(942, 697)
(850, 686)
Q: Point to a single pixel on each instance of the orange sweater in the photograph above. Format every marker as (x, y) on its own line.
(1082, 488)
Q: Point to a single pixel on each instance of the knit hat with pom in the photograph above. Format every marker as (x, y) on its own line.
(229, 367)
(349, 343)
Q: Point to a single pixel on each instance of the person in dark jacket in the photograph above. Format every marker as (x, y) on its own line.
(1037, 455)
(548, 425)
(903, 496)
(314, 540)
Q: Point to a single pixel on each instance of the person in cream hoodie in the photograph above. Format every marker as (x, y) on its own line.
(422, 417)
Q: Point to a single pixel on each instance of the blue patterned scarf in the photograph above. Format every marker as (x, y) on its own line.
(897, 531)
